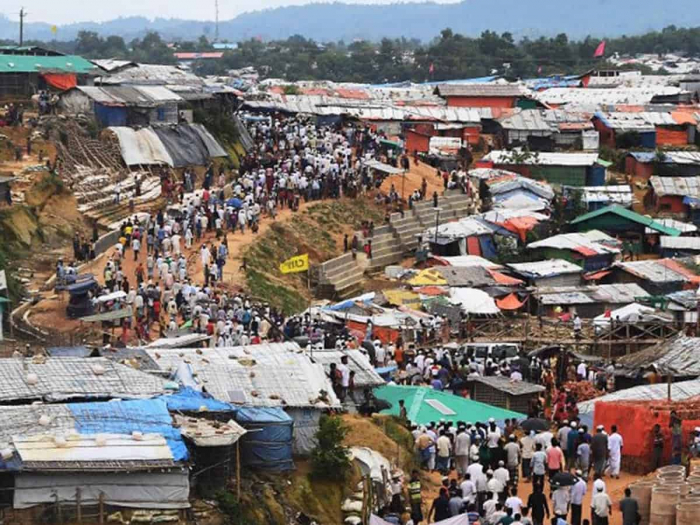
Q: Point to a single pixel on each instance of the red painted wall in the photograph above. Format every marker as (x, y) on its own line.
(607, 135)
(481, 102)
(638, 169)
(670, 203)
(416, 141)
(671, 136)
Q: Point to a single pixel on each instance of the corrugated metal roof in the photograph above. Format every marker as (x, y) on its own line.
(680, 243)
(676, 186)
(62, 378)
(365, 374)
(546, 268)
(527, 120)
(267, 375)
(41, 64)
(623, 293)
(587, 244)
(542, 158)
(621, 194)
(642, 121)
(151, 74)
(504, 384)
(653, 270)
(510, 183)
(596, 97)
(667, 157)
(679, 392)
(628, 215)
(111, 64)
(682, 227)
(481, 90)
(139, 96)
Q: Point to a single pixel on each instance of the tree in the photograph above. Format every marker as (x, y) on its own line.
(330, 459)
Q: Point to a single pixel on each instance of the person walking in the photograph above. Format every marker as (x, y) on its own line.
(601, 507)
(657, 439)
(415, 497)
(537, 503)
(539, 466)
(629, 507)
(578, 491)
(615, 444)
(599, 450)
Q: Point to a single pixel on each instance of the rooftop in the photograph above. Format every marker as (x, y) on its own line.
(676, 186)
(588, 244)
(541, 158)
(548, 268)
(515, 388)
(481, 90)
(628, 215)
(45, 64)
(659, 271)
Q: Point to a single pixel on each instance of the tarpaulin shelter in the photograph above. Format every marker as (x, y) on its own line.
(423, 405)
(268, 442)
(141, 147)
(509, 302)
(473, 301)
(185, 146)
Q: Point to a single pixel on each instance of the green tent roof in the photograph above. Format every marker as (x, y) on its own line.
(630, 216)
(424, 405)
(41, 64)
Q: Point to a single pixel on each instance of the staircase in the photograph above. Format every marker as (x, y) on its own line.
(339, 278)
(342, 277)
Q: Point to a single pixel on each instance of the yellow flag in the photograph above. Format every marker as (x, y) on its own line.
(54, 29)
(299, 263)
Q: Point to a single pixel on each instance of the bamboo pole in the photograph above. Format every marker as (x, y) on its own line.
(238, 471)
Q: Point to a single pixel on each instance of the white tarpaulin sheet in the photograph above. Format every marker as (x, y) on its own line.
(632, 313)
(141, 147)
(114, 296)
(148, 490)
(213, 147)
(77, 447)
(473, 301)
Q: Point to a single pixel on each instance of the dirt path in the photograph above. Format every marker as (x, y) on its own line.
(414, 179)
(615, 489)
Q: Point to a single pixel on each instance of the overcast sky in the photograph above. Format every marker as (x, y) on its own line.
(67, 11)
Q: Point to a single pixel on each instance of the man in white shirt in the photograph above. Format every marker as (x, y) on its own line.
(514, 502)
(444, 448)
(468, 490)
(601, 506)
(615, 444)
(462, 444)
(344, 376)
(502, 475)
(560, 502)
(527, 448)
(578, 491)
(581, 371)
(494, 485)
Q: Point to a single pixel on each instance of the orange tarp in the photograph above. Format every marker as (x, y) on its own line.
(61, 81)
(383, 333)
(509, 302)
(473, 246)
(684, 117)
(431, 290)
(520, 225)
(504, 279)
(677, 267)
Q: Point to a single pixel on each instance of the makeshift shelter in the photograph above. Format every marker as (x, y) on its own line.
(679, 246)
(22, 75)
(423, 405)
(269, 440)
(121, 454)
(597, 197)
(468, 236)
(504, 393)
(644, 164)
(587, 301)
(571, 169)
(365, 374)
(632, 313)
(656, 276)
(673, 195)
(552, 272)
(592, 250)
(678, 357)
(482, 95)
(265, 375)
(57, 379)
(473, 301)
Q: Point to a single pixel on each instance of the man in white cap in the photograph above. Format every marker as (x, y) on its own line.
(601, 506)
(615, 444)
(462, 444)
(578, 491)
(493, 434)
(502, 475)
(599, 450)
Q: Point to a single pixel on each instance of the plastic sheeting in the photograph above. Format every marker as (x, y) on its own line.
(185, 146)
(213, 147)
(141, 147)
(152, 490)
(191, 400)
(268, 442)
(62, 81)
(473, 301)
(149, 416)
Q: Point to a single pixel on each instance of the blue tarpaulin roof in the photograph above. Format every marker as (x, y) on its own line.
(268, 444)
(147, 416)
(190, 400)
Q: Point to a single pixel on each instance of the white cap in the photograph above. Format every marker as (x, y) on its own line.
(573, 424)
(492, 420)
(599, 484)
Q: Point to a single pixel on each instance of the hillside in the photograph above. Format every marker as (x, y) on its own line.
(334, 21)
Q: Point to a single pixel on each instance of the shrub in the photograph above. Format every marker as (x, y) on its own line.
(330, 459)
(232, 509)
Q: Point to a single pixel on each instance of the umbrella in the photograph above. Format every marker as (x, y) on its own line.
(535, 424)
(564, 479)
(234, 203)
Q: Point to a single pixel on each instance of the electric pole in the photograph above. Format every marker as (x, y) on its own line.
(216, 30)
(22, 14)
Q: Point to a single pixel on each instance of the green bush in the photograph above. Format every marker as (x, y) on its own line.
(232, 509)
(330, 459)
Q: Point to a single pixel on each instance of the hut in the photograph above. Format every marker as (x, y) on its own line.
(504, 393)
(482, 95)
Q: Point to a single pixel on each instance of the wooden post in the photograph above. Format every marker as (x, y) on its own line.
(238, 470)
(58, 510)
(101, 508)
(78, 508)
(627, 336)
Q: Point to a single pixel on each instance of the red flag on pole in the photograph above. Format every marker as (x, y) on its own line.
(432, 68)
(600, 50)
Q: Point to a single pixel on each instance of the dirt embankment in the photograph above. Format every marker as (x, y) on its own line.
(317, 230)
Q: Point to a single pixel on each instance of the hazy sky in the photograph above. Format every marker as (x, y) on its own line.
(67, 11)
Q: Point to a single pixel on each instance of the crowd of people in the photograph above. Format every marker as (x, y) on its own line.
(483, 463)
